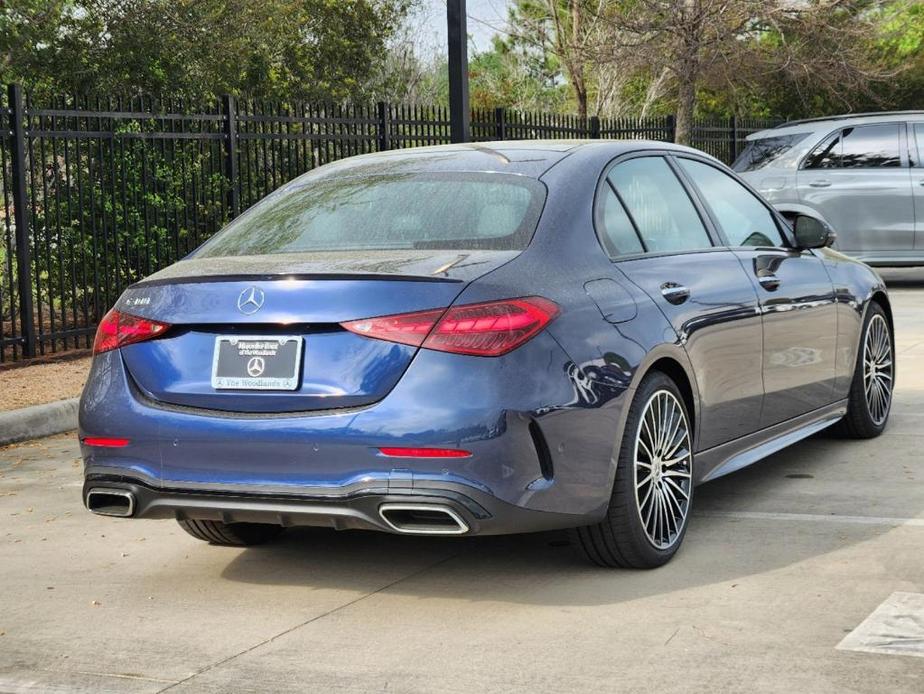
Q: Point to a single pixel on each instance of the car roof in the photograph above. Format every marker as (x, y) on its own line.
(808, 125)
(524, 157)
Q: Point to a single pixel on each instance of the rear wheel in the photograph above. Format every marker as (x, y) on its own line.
(870, 398)
(653, 490)
(231, 534)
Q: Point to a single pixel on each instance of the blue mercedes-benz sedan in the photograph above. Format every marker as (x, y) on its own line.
(485, 338)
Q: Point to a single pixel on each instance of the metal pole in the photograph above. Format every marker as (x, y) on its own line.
(21, 214)
(500, 123)
(381, 121)
(459, 113)
(594, 127)
(733, 139)
(234, 193)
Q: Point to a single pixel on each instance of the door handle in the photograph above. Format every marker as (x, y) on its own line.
(820, 183)
(769, 282)
(674, 293)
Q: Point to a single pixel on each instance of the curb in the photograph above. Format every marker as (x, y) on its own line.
(38, 421)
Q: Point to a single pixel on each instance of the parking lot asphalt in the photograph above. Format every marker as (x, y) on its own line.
(782, 560)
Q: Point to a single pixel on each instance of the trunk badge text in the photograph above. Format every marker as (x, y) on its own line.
(250, 300)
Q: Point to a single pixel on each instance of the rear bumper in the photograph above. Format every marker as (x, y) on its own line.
(494, 408)
(478, 513)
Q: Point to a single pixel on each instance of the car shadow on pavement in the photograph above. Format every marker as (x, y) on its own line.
(543, 568)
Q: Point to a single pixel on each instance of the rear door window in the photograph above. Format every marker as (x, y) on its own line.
(658, 204)
(860, 147)
(919, 138)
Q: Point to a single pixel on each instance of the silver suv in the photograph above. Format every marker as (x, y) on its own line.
(863, 173)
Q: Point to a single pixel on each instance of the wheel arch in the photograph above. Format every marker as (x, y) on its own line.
(673, 370)
(882, 298)
(666, 359)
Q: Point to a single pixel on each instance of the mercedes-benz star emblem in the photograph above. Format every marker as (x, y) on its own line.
(255, 366)
(250, 300)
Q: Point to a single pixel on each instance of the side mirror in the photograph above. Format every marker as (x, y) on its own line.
(811, 232)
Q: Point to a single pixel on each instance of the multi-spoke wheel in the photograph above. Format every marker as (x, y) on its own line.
(653, 489)
(877, 369)
(870, 398)
(663, 471)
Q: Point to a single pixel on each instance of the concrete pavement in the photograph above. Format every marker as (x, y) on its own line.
(781, 561)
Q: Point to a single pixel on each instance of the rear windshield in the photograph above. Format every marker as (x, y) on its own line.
(759, 153)
(382, 211)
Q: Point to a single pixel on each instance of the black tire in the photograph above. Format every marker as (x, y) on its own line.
(859, 422)
(620, 539)
(231, 534)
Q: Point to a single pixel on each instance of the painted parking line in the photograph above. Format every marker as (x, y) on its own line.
(896, 627)
(813, 518)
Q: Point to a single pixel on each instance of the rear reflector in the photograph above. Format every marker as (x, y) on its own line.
(425, 453)
(119, 329)
(489, 329)
(105, 442)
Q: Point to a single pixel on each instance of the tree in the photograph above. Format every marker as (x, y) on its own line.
(552, 36)
(815, 46)
(309, 49)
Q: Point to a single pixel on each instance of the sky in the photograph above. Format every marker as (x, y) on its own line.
(484, 17)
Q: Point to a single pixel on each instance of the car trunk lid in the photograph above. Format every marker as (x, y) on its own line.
(253, 302)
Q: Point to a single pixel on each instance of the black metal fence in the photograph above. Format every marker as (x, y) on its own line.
(95, 194)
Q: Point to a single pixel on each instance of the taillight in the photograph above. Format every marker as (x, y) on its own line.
(489, 329)
(119, 329)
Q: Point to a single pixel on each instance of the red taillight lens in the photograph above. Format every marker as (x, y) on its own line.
(489, 329)
(119, 329)
(105, 442)
(406, 328)
(425, 453)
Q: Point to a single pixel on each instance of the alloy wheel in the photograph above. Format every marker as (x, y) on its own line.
(663, 469)
(878, 369)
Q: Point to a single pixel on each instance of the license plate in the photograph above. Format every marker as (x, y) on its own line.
(256, 363)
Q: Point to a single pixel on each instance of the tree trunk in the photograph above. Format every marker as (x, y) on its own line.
(686, 104)
(580, 94)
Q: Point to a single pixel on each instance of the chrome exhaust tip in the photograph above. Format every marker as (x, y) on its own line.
(111, 502)
(423, 519)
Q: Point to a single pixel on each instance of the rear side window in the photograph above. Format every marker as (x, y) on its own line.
(760, 153)
(860, 147)
(659, 206)
(827, 155)
(744, 219)
(617, 232)
(388, 211)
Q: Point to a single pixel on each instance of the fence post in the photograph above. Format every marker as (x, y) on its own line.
(21, 214)
(733, 138)
(381, 126)
(671, 128)
(594, 128)
(500, 123)
(234, 193)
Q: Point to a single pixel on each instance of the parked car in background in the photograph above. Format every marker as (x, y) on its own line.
(477, 339)
(863, 174)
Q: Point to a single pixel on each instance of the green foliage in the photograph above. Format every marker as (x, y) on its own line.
(297, 49)
(504, 76)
